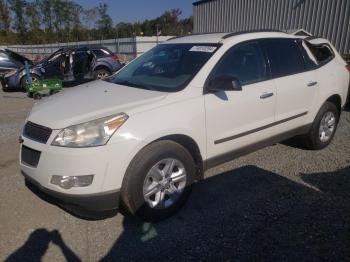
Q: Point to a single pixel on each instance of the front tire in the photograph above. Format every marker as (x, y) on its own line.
(158, 180)
(24, 83)
(323, 128)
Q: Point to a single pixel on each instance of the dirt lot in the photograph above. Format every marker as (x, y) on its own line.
(280, 203)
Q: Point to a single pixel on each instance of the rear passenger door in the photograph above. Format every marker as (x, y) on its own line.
(296, 85)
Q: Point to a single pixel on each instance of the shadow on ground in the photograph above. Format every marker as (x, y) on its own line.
(245, 214)
(249, 214)
(36, 245)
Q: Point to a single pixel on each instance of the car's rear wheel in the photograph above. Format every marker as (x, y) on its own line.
(101, 74)
(158, 180)
(323, 128)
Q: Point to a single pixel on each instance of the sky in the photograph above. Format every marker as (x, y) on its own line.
(139, 10)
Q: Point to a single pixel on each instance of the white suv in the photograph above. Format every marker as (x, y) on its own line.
(146, 134)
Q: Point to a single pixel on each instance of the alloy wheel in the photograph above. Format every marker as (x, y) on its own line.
(164, 183)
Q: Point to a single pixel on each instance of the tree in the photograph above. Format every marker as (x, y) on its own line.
(45, 7)
(33, 20)
(48, 21)
(105, 23)
(5, 19)
(18, 7)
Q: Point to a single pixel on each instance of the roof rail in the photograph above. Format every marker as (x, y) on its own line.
(250, 31)
(181, 36)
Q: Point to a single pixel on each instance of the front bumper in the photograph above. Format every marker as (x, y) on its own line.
(10, 82)
(90, 205)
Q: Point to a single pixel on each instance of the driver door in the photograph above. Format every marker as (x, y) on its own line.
(54, 67)
(236, 119)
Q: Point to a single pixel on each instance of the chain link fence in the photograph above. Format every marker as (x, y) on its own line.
(126, 48)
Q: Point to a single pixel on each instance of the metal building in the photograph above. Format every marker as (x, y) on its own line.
(324, 18)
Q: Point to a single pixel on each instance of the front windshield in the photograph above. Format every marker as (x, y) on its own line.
(166, 67)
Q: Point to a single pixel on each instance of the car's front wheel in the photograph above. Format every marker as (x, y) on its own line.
(158, 180)
(24, 82)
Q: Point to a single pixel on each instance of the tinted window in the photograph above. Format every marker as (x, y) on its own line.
(322, 52)
(309, 58)
(245, 62)
(166, 67)
(101, 52)
(284, 56)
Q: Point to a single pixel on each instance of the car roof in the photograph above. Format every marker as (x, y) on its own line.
(215, 38)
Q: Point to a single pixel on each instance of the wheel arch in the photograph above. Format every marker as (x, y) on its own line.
(102, 66)
(336, 100)
(24, 76)
(191, 145)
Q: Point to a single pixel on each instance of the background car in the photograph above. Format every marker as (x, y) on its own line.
(11, 61)
(107, 62)
(69, 64)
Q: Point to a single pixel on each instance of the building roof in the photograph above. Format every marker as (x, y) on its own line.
(201, 1)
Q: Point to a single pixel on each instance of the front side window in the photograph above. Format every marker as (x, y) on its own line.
(284, 56)
(244, 62)
(166, 67)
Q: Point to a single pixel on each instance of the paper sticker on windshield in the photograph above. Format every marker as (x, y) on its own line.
(202, 48)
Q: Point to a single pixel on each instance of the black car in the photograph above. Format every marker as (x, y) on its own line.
(10, 61)
(69, 64)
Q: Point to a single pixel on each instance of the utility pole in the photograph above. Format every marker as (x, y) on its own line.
(157, 32)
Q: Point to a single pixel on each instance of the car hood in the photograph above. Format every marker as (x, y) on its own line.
(91, 101)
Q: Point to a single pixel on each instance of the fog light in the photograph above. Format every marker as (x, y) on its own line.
(68, 182)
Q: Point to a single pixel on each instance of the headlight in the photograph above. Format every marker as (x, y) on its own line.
(93, 133)
(11, 73)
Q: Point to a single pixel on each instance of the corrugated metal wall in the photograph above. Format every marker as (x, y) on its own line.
(326, 18)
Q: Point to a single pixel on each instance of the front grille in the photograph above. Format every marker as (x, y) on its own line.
(36, 132)
(30, 156)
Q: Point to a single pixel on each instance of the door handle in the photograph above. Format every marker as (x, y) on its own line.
(266, 95)
(312, 83)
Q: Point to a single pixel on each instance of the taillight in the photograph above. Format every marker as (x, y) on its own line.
(115, 57)
(348, 67)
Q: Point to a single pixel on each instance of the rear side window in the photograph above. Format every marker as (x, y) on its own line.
(101, 52)
(245, 62)
(322, 52)
(284, 56)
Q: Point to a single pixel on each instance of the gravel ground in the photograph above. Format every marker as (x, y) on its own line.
(279, 203)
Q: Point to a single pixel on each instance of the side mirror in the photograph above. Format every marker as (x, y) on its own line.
(224, 83)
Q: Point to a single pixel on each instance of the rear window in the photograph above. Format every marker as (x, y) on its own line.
(322, 53)
(101, 52)
(284, 56)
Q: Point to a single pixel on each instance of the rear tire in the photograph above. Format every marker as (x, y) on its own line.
(162, 170)
(101, 74)
(323, 128)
